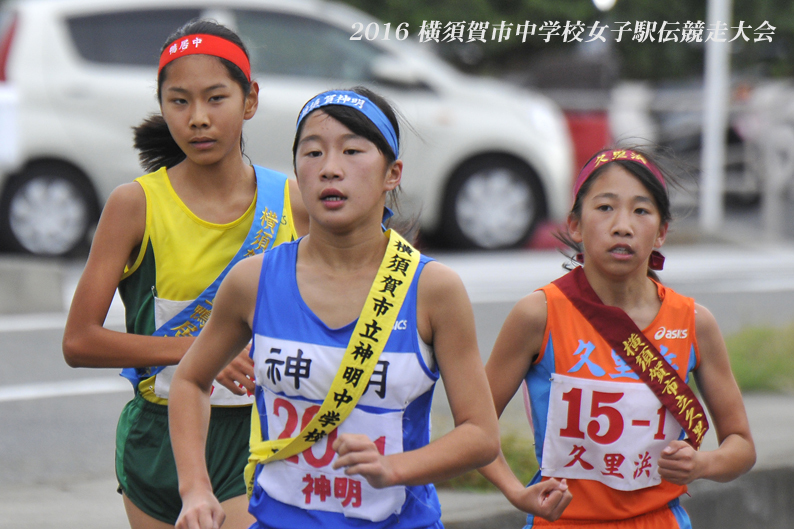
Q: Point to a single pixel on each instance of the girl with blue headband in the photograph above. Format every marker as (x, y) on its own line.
(349, 337)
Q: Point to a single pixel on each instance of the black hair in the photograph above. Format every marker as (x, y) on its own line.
(659, 193)
(360, 125)
(152, 138)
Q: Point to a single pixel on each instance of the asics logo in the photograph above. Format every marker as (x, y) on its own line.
(400, 325)
(670, 334)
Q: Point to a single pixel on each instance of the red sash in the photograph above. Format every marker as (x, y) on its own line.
(639, 353)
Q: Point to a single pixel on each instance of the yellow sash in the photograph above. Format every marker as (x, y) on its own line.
(367, 342)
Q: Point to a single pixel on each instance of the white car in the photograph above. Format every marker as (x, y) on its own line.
(485, 161)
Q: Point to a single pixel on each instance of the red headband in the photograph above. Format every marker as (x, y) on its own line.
(206, 45)
(610, 155)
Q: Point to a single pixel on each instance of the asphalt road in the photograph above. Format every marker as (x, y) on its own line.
(60, 447)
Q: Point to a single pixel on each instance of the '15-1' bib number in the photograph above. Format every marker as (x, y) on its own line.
(612, 432)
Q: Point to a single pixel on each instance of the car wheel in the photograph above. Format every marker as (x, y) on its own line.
(492, 202)
(47, 209)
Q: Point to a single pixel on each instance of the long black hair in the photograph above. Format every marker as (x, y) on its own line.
(153, 140)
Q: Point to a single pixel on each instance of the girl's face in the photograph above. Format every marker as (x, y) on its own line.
(205, 108)
(343, 177)
(620, 224)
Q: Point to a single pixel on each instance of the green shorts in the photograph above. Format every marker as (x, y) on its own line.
(145, 466)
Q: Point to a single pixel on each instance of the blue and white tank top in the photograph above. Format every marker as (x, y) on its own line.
(296, 357)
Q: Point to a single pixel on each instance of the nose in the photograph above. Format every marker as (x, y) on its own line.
(332, 166)
(622, 225)
(199, 117)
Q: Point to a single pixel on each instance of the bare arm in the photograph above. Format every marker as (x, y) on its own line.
(679, 462)
(86, 343)
(446, 320)
(515, 349)
(227, 331)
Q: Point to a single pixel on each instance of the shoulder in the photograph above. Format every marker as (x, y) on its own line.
(706, 327)
(127, 201)
(243, 279)
(531, 312)
(438, 280)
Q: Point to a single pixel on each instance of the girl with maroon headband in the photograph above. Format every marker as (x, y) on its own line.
(166, 241)
(606, 352)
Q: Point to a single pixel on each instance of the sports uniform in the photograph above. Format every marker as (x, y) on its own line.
(168, 291)
(602, 428)
(296, 356)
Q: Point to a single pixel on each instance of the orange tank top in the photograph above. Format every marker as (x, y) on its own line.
(596, 423)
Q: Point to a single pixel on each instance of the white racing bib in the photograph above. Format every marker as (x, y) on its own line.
(307, 480)
(611, 432)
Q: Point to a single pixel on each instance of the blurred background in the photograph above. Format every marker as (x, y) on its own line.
(502, 102)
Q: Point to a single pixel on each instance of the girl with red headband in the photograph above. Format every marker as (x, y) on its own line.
(166, 241)
(606, 352)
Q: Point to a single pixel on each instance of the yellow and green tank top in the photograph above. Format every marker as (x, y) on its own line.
(179, 257)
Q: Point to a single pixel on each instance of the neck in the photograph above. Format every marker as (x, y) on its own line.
(355, 250)
(627, 293)
(221, 178)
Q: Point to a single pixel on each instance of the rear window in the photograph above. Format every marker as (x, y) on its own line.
(127, 37)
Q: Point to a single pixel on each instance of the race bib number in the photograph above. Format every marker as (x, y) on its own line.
(307, 479)
(612, 432)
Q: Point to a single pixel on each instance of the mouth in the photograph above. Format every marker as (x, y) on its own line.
(332, 196)
(202, 142)
(621, 250)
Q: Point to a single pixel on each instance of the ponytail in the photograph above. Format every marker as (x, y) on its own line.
(155, 144)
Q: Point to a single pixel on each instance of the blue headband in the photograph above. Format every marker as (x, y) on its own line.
(362, 104)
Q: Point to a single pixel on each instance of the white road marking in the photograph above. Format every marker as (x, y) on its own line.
(65, 388)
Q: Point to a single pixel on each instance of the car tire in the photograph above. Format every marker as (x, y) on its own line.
(492, 202)
(47, 209)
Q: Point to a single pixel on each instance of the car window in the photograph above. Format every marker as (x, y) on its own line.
(126, 37)
(283, 44)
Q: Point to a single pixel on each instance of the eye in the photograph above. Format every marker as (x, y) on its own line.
(313, 154)
(351, 150)
(217, 98)
(604, 207)
(642, 211)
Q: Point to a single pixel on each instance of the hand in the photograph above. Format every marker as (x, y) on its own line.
(678, 463)
(200, 510)
(238, 376)
(359, 455)
(547, 499)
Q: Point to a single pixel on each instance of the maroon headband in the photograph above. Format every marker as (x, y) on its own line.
(610, 155)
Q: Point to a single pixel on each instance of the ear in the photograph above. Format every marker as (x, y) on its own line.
(394, 175)
(574, 224)
(661, 236)
(251, 101)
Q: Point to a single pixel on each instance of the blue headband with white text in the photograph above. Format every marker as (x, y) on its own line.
(351, 99)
